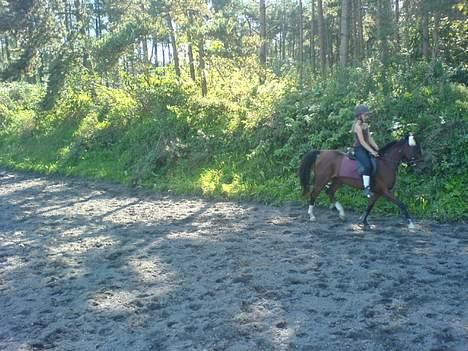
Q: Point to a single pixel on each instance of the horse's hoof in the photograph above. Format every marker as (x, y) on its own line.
(342, 217)
(411, 225)
(313, 219)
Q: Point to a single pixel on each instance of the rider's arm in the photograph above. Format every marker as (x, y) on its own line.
(362, 141)
(373, 143)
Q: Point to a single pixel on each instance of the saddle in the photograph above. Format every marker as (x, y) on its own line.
(351, 168)
(350, 153)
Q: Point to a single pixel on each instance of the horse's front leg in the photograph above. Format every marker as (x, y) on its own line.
(370, 205)
(311, 212)
(402, 206)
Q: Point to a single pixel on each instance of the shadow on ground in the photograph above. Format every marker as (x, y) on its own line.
(87, 266)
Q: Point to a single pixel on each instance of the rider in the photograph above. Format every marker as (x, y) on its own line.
(364, 145)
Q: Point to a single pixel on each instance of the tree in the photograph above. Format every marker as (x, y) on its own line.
(175, 53)
(312, 37)
(263, 34)
(322, 36)
(425, 32)
(384, 29)
(344, 36)
(105, 37)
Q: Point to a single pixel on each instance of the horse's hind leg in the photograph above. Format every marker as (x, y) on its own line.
(370, 205)
(319, 183)
(331, 194)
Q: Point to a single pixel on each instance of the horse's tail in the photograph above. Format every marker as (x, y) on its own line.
(304, 170)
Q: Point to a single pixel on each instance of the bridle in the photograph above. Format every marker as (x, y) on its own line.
(412, 161)
(412, 144)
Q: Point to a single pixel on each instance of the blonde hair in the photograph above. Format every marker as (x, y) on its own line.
(353, 127)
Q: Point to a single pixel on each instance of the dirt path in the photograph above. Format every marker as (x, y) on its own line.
(88, 266)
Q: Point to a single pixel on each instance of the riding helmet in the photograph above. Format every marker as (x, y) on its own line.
(360, 109)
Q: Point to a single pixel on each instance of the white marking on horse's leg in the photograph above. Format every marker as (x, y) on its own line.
(411, 225)
(311, 213)
(340, 210)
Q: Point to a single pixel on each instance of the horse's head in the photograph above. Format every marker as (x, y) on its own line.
(411, 150)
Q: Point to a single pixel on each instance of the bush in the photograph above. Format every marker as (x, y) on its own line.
(245, 139)
(18, 104)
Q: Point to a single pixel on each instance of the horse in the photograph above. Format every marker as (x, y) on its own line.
(336, 169)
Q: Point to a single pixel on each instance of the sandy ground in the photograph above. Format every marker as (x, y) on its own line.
(92, 266)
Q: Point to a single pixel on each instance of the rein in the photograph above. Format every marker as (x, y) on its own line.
(386, 156)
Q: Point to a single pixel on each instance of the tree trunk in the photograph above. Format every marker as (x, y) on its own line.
(190, 56)
(344, 34)
(384, 28)
(435, 36)
(329, 35)
(360, 32)
(190, 48)
(174, 45)
(312, 37)
(397, 24)
(144, 49)
(300, 45)
(301, 34)
(155, 49)
(276, 56)
(144, 41)
(425, 34)
(201, 53)
(169, 53)
(97, 10)
(293, 47)
(322, 35)
(151, 58)
(284, 26)
(353, 34)
(67, 16)
(263, 34)
(7, 49)
(2, 53)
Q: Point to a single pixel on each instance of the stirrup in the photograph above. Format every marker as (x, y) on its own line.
(367, 192)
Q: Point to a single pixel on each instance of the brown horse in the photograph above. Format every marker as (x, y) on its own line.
(331, 166)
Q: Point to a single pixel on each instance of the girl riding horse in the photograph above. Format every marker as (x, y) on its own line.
(364, 146)
(333, 167)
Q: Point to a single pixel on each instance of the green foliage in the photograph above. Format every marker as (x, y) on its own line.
(245, 139)
(18, 102)
(60, 66)
(111, 47)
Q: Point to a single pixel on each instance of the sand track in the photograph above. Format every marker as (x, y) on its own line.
(92, 266)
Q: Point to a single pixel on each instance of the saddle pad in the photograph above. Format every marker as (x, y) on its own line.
(349, 168)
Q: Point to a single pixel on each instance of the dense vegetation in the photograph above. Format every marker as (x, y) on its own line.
(104, 96)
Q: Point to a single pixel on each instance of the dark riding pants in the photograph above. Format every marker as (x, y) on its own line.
(363, 156)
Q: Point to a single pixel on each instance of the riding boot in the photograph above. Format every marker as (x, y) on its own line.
(367, 190)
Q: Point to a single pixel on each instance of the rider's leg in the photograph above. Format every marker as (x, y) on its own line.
(366, 181)
(364, 159)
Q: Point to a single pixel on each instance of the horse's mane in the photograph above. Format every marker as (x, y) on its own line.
(391, 144)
